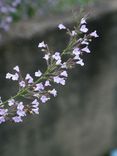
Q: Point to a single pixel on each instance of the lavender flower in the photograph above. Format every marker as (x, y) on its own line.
(83, 21)
(94, 34)
(86, 49)
(11, 102)
(53, 92)
(59, 80)
(44, 99)
(2, 119)
(22, 84)
(61, 26)
(38, 73)
(41, 90)
(29, 78)
(83, 29)
(17, 119)
(42, 45)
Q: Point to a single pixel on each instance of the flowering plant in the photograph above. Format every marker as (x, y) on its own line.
(41, 90)
(6, 11)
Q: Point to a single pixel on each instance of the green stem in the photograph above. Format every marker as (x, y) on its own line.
(49, 69)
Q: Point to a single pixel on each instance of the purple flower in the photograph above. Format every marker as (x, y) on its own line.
(47, 83)
(61, 26)
(38, 73)
(20, 111)
(77, 57)
(83, 29)
(94, 34)
(83, 21)
(16, 68)
(29, 78)
(8, 76)
(80, 62)
(35, 103)
(44, 99)
(58, 80)
(11, 102)
(76, 51)
(53, 92)
(86, 49)
(15, 77)
(73, 33)
(17, 119)
(64, 73)
(57, 56)
(35, 110)
(2, 119)
(64, 65)
(85, 42)
(3, 111)
(39, 87)
(42, 45)
(46, 57)
(22, 84)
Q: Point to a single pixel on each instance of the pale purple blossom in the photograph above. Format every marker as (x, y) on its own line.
(83, 21)
(16, 68)
(35, 102)
(80, 62)
(44, 99)
(58, 62)
(35, 105)
(59, 80)
(85, 42)
(20, 109)
(83, 29)
(15, 77)
(35, 110)
(61, 26)
(53, 92)
(76, 51)
(64, 73)
(56, 56)
(17, 119)
(73, 33)
(77, 57)
(94, 34)
(22, 84)
(8, 76)
(86, 49)
(46, 57)
(42, 45)
(38, 73)
(39, 87)
(36, 95)
(2, 119)
(29, 78)
(40, 90)
(11, 102)
(9, 19)
(3, 111)
(47, 83)
(64, 65)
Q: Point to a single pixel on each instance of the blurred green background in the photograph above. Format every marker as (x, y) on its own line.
(81, 120)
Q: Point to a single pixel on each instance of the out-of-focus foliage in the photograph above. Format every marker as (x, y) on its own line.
(28, 8)
(15, 10)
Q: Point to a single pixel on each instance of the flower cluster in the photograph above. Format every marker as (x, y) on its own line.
(40, 89)
(6, 10)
